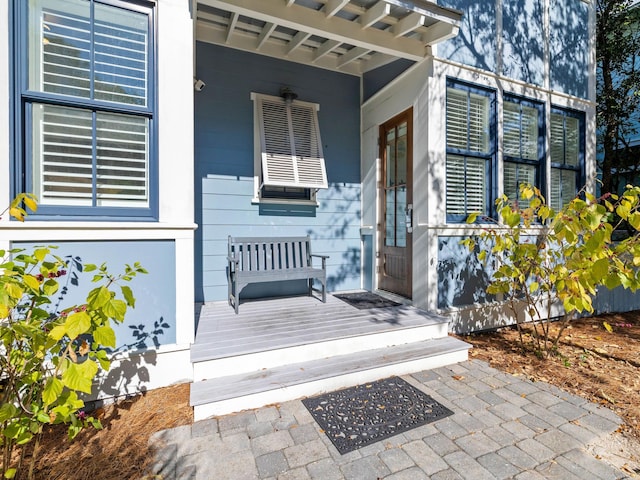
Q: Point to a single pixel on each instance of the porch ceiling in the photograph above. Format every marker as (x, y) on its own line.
(351, 36)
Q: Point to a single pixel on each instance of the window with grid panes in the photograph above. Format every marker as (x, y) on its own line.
(86, 112)
(470, 150)
(291, 163)
(567, 156)
(522, 135)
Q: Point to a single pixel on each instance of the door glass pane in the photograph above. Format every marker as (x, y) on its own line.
(401, 225)
(390, 167)
(390, 224)
(401, 158)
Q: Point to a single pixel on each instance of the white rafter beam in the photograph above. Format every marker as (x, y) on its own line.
(333, 6)
(352, 55)
(266, 32)
(232, 26)
(374, 14)
(438, 32)
(298, 17)
(288, 3)
(408, 24)
(296, 41)
(327, 47)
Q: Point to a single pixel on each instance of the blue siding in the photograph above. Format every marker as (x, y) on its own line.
(225, 164)
(570, 47)
(374, 80)
(462, 277)
(523, 40)
(475, 44)
(155, 292)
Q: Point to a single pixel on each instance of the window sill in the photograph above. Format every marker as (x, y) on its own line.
(283, 201)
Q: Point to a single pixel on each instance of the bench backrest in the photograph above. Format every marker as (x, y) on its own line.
(270, 254)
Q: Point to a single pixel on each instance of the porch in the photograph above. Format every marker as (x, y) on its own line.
(285, 348)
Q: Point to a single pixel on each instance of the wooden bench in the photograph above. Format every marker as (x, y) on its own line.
(258, 259)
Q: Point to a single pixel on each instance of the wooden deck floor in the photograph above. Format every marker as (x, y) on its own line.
(270, 324)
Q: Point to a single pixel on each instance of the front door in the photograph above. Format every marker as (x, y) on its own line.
(394, 257)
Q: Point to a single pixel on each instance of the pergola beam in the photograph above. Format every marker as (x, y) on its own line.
(314, 22)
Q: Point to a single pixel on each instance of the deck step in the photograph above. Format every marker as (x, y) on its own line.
(233, 393)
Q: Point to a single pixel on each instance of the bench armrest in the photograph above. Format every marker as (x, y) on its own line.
(324, 260)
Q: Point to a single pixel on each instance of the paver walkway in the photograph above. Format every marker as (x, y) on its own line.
(503, 427)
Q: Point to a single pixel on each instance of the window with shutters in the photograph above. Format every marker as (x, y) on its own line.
(290, 165)
(86, 106)
(470, 150)
(523, 137)
(567, 155)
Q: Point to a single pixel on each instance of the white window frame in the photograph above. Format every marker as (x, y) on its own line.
(317, 177)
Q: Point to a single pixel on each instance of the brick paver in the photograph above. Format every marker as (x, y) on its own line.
(502, 427)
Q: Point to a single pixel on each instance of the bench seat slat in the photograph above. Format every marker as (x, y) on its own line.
(256, 259)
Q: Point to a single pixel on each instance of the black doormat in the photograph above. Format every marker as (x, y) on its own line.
(365, 300)
(358, 416)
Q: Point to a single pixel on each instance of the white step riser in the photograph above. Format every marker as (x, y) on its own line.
(223, 367)
(293, 392)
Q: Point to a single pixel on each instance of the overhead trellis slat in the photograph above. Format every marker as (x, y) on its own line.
(352, 36)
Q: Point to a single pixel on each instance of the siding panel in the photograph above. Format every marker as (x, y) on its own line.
(224, 169)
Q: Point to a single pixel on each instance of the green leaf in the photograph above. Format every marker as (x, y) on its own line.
(105, 336)
(127, 293)
(14, 290)
(58, 332)
(7, 411)
(534, 286)
(52, 390)
(77, 324)
(89, 267)
(512, 219)
(115, 309)
(41, 253)
(600, 269)
(79, 376)
(472, 218)
(98, 297)
(10, 473)
(607, 327)
(31, 282)
(50, 287)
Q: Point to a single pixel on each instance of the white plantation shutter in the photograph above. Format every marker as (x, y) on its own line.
(511, 129)
(478, 123)
(467, 121)
(563, 187)
(457, 125)
(466, 185)
(572, 142)
(85, 156)
(121, 159)
(120, 53)
(529, 133)
(565, 158)
(290, 144)
(557, 138)
(468, 146)
(520, 131)
(64, 169)
(514, 175)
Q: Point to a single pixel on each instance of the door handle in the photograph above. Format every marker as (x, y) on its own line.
(409, 218)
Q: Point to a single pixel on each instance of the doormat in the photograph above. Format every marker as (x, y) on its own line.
(355, 417)
(365, 300)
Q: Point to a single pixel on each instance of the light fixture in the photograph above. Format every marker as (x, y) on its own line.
(288, 95)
